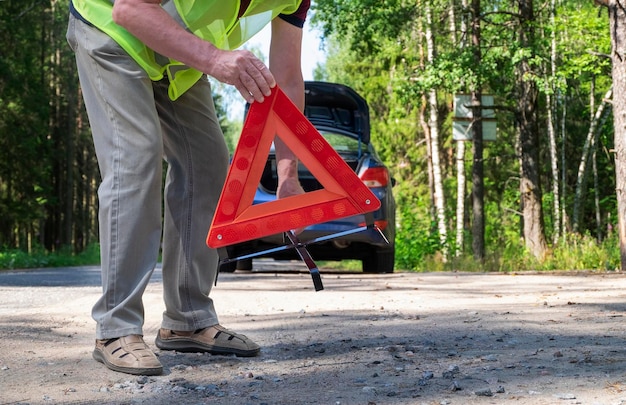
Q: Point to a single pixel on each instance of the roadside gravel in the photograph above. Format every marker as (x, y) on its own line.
(403, 338)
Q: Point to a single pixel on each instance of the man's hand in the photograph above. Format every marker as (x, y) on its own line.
(246, 72)
(288, 187)
(147, 20)
(287, 171)
(288, 183)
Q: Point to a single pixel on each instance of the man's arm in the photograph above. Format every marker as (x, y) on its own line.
(285, 65)
(147, 21)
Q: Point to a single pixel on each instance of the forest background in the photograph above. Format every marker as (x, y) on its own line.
(542, 195)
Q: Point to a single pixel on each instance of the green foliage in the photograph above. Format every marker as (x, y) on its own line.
(231, 128)
(40, 257)
(584, 253)
(583, 45)
(416, 236)
(578, 253)
(384, 59)
(366, 25)
(48, 175)
(47, 169)
(23, 119)
(419, 251)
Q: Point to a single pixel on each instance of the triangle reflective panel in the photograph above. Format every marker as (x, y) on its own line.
(343, 194)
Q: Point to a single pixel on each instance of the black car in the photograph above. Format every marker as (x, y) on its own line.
(342, 118)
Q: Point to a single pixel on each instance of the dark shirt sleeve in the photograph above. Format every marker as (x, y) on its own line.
(299, 17)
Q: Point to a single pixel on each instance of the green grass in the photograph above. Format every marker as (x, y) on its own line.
(341, 265)
(19, 259)
(574, 254)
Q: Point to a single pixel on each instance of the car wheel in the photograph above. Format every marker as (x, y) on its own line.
(228, 267)
(244, 264)
(380, 260)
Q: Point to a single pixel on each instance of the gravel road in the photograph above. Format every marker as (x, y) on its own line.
(403, 338)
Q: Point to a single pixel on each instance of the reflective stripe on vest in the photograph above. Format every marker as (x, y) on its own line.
(212, 20)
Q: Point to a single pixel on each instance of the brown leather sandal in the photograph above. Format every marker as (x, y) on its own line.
(214, 339)
(127, 354)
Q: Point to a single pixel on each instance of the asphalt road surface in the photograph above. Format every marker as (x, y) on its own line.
(366, 339)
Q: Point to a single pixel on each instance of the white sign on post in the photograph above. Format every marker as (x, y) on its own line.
(461, 130)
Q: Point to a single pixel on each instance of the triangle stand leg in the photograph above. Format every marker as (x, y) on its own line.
(307, 259)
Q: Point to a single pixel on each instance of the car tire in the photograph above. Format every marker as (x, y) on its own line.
(229, 267)
(380, 260)
(244, 264)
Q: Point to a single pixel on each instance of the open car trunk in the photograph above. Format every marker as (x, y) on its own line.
(342, 117)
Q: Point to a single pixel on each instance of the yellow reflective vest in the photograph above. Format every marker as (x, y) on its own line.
(216, 21)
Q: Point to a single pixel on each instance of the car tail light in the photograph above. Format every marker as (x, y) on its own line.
(380, 224)
(375, 177)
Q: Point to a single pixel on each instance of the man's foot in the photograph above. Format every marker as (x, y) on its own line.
(214, 339)
(127, 354)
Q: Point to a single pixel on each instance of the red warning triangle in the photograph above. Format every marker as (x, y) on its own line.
(237, 220)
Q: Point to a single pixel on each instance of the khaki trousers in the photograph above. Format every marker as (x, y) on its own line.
(135, 126)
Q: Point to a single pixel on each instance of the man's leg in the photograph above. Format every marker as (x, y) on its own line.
(197, 160)
(127, 139)
(197, 165)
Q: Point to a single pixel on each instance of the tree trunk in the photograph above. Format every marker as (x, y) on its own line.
(563, 121)
(527, 121)
(460, 148)
(460, 196)
(583, 166)
(596, 195)
(424, 122)
(617, 16)
(478, 186)
(429, 160)
(551, 106)
(433, 124)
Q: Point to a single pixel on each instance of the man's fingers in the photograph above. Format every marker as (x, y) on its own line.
(258, 80)
(261, 74)
(249, 75)
(250, 95)
(255, 89)
(244, 93)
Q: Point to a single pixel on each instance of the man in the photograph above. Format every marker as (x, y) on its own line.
(142, 66)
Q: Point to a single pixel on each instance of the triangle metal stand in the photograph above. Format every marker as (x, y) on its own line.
(300, 247)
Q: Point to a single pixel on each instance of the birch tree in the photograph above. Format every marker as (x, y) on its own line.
(460, 146)
(433, 125)
(588, 152)
(551, 107)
